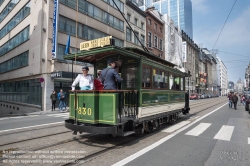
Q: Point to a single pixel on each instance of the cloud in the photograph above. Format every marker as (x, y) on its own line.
(200, 6)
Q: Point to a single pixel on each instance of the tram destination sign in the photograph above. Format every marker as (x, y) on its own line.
(95, 43)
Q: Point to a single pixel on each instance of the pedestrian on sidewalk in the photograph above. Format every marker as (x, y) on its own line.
(243, 100)
(230, 100)
(235, 100)
(61, 98)
(53, 100)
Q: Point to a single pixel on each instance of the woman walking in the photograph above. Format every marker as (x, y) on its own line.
(53, 100)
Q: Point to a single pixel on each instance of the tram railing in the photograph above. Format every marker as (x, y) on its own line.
(128, 101)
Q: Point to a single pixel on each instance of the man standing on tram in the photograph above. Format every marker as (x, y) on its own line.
(109, 76)
(86, 81)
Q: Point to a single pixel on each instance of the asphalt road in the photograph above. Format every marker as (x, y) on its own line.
(14, 123)
(220, 138)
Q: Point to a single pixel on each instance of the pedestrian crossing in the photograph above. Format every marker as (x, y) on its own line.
(198, 129)
(60, 115)
(224, 132)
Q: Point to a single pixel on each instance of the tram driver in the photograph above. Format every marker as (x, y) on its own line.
(85, 80)
(109, 76)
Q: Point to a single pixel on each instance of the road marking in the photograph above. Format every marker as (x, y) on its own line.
(4, 118)
(18, 117)
(154, 145)
(176, 126)
(225, 133)
(60, 115)
(248, 140)
(30, 127)
(198, 129)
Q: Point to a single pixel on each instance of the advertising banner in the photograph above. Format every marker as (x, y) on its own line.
(184, 51)
(55, 29)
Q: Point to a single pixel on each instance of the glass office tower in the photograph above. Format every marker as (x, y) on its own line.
(179, 10)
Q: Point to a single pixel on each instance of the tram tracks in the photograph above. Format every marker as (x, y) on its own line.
(96, 154)
(96, 146)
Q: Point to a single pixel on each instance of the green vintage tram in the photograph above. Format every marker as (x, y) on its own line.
(152, 93)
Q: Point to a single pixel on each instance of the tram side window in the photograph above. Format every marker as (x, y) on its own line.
(181, 83)
(146, 77)
(131, 80)
(177, 83)
(159, 79)
(171, 81)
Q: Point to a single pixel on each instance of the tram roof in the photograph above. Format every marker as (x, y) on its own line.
(96, 54)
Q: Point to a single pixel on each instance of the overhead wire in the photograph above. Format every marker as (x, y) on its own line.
(224, 24)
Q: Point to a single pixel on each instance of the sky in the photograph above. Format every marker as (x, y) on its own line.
(233, 44)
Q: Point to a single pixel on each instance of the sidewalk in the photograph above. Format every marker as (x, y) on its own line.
(48, 112)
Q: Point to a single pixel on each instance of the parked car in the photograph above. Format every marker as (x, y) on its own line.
(193, 96)
(203, 96)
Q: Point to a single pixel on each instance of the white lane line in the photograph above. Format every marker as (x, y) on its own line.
(198, 129)
(57, 115)
(249, 140)
(176, 126)
(4, 118)
(145, 150)
(225, 133)
(30, 127)
(18, 117)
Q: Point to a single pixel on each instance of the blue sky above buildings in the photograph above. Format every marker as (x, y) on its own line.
(208, 19)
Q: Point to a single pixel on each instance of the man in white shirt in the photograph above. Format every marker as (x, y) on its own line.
(85, 80)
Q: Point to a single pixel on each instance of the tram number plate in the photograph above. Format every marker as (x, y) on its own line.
(84, 111)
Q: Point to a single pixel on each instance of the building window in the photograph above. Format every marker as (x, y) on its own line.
(25, 11)
(128, 17)
(155, 26)
(25, 91)
(135, 39)
(143, 39)
(149, 22)
(142, 25)
(161, 44)
(118, 3)
(20, 38)
(128, 34)
(89, 9)
(8, 9)
(156, 42)
(149, 39)
(17, 62)
(67, 25)
(136, 21)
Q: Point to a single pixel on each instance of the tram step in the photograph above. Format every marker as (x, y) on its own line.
(128, 133)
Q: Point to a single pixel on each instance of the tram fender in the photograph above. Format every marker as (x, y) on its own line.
(90, 129)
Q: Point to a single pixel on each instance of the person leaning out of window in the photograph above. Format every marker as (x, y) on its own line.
(85, 80)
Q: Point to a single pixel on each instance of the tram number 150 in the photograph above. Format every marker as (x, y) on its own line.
(84, 111)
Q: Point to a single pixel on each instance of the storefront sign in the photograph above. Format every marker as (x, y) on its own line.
(56, 74)
(55, 29)
(95, 43)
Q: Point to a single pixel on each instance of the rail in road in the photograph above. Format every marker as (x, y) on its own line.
(57, 137)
